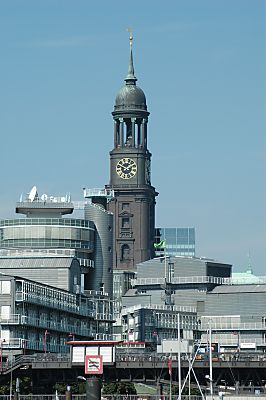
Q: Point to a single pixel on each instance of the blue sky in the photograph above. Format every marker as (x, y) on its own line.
(201, 65)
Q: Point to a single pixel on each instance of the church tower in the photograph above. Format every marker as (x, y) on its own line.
(133, 205)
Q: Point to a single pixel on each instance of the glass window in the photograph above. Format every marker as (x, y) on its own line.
(125, 222)
(6, 287)
(125, 206)
(5, 312)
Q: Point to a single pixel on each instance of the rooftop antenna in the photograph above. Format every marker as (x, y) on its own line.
(249, 263)
(33, 194)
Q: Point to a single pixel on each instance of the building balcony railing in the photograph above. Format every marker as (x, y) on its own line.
(104, 336)
(159, 307)
(84, 308)
(26, 344)
(56, 326)
(233, 326)
(17, 319)
(183, 280)
(174, 325)
(44, 301)
(235, 341)
(104, 316)
(12, 319)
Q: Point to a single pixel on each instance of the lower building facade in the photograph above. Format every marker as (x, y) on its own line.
(203, 293)
(55, 276)
(37, 317)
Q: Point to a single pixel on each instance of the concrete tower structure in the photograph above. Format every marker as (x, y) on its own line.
(133, 205)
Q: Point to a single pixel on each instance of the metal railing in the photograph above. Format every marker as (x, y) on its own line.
(96, 192)
(159, 307)
(233, 326)
(183, 280)
(12, 319)
(103, 397)
(57, 326)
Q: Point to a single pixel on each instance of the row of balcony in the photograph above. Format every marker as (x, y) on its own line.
(65, 305)
(17, 319)
(233, 326)
(23, 344)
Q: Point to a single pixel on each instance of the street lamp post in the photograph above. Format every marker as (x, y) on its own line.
(210, 358)
(1, 354)
(11, 374)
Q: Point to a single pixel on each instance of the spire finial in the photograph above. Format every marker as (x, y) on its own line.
(130, 79)
(130, 36)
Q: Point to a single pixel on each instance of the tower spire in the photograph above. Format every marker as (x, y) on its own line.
(130, 79)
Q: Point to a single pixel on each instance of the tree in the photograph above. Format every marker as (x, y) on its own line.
(76, 387)
(119, 388)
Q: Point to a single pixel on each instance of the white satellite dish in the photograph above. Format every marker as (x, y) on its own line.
(32, 194)
(44, 197)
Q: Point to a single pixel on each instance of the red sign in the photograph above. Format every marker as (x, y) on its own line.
(93, 365)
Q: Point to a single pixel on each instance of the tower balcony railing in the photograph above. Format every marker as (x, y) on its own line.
(95, 192)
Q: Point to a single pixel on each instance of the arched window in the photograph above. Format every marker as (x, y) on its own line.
(125, 252)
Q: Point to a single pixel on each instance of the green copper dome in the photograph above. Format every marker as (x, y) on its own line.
(130, 96)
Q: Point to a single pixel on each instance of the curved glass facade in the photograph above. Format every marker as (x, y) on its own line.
(47, 233)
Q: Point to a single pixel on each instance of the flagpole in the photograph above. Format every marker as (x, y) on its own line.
(170, 368)
(179, 358)
(210, 356)
(170, 393)
(165, 263)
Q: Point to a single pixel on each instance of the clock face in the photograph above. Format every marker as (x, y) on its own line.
(126, 168)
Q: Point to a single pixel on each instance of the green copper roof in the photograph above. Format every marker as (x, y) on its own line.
(246, 277)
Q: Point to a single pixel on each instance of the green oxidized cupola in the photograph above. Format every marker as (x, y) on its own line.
(130, 96)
